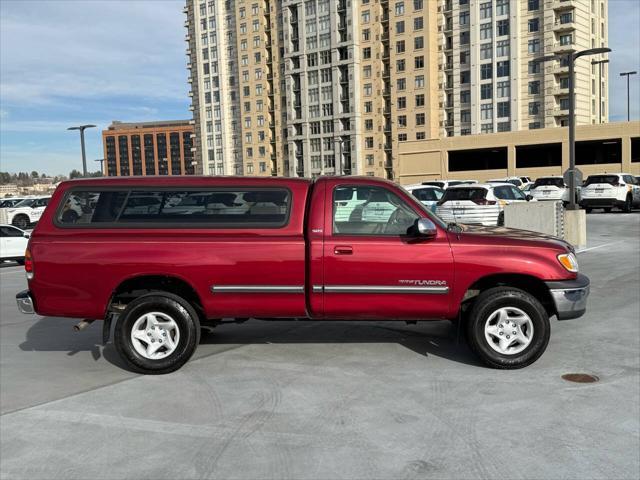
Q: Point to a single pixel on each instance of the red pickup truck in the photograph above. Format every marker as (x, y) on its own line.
(164, 256)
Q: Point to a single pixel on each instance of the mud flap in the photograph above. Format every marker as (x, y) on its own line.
(106, 328)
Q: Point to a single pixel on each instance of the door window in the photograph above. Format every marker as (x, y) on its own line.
(10, 232)
(379, 212)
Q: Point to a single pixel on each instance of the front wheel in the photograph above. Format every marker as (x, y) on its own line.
(508, 328)
(157, 333)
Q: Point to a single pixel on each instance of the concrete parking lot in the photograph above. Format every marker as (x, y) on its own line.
(330, 400)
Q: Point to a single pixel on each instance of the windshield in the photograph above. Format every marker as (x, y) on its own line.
(464, 194)
(549, 182)
(611, 179)
(8, 203)
(27, 202)
(428, 194)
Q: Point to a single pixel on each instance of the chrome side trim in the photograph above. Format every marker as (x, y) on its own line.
(384, 289)
(317, 289)
(257, 289)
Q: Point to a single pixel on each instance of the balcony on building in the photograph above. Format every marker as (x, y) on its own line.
(565, 4)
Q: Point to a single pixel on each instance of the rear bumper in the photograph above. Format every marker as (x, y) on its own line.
(570, 297)
(601, 202)
(25, 302)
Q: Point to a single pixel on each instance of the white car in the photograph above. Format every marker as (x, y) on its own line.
(610, 190)
(525, 181)
(512, 180)
(444, 184)
(11, 202)
(26, 212)
(428, 195)
(552, 188)
(13, 243)
(481, 203)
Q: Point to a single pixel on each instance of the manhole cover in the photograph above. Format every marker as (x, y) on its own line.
(580, 378)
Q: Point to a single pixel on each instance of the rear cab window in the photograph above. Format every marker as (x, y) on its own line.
(464, 194)
(610, 179)
(549, 182)
(183, 208)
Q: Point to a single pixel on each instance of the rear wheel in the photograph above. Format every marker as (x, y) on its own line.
(20, 221)
(607, 210)
(588, 209)
(157, 333)
(508, 328)
(501, 219)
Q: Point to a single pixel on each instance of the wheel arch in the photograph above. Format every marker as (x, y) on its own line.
(528, 283)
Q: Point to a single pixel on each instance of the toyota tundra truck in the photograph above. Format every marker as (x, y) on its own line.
(163, 257)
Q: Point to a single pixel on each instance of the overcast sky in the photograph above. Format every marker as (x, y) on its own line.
(67, 62)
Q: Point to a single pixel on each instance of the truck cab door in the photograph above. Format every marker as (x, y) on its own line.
(373, 267)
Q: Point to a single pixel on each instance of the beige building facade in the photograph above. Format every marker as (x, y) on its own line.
(607, 148)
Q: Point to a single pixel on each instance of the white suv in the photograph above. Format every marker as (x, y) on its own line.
(26, 212)
(481, 203)
(610, 190)
(552, 188)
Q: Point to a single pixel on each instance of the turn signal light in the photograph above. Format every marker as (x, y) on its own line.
(28, 264)
(569, 262)
(483, 201)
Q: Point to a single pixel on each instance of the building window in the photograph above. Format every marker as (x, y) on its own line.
(486, 51)
(400, 27)
(486, 111)
(502, 7)
(399, 8)
(534, 87)
(465, 76)
(534, 25)
(502, 68)
(486, 71)
(503, 27)
(400, 46)
(400, 65)
(534, 108)
(464, 38)
(463, 18)
(564, 104)
(533, 5)
(420, 100)
(566, 39)
(402, 103)
(503, 89)
(535, 125)
(504, 126)
(402, 137)
(503, 109)
(418, 43)
(534, 67)
(485, 10)
(534, 46)
(420, 119)
(402, 121)
(486, 31)
(465, 116)
(486, 91)
(418, 23)
(465, 96)
(502, 48)
(419, 62)
(486, 128)
(401, 84)
(421, 135)
(419, 81)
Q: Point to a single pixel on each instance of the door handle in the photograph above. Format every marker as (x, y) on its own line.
(343, 250)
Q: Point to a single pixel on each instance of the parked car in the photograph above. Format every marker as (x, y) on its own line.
(26, 212)
(13, 243)
(443, 184)
(428, 195)
(619, 190)
(525, 181)
(552, 188)
(480, 204)
(512, 180)
(162, 273)
(10, 202)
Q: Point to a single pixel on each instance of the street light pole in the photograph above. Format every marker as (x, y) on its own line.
(82, 128)
(628, 74)
(599, 63)
(572, 57)
(101, 160)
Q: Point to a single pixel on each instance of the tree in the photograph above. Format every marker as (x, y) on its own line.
(34, 174)
(75, 174)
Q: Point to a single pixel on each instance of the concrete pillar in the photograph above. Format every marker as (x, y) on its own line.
(575, 227)
(626, 154)
(511, 160)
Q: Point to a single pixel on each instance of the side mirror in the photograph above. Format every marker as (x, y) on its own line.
(529, 197)
(426, 228)
(26, 235)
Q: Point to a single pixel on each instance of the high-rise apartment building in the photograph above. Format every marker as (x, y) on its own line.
(490, 81)
(310, 87)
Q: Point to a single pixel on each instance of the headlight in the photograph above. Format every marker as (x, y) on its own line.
(569, 261)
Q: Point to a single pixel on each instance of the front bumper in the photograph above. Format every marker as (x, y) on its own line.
(25, 302)
(570, 296)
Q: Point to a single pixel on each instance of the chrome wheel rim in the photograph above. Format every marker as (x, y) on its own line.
(508, 330)
(155, 335)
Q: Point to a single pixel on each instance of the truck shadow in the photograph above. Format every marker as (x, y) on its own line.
(437, 338)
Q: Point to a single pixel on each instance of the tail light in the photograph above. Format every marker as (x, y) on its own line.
(483, 201)
(28, 264)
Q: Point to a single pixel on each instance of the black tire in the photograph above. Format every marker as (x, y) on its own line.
(486, 304)
(607, 210)
(588, 209)
(501, 219)
(20, 261)
(628, 204)
(20, 221)
(181, 311)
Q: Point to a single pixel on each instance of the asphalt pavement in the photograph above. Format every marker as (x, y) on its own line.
(333, 400)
